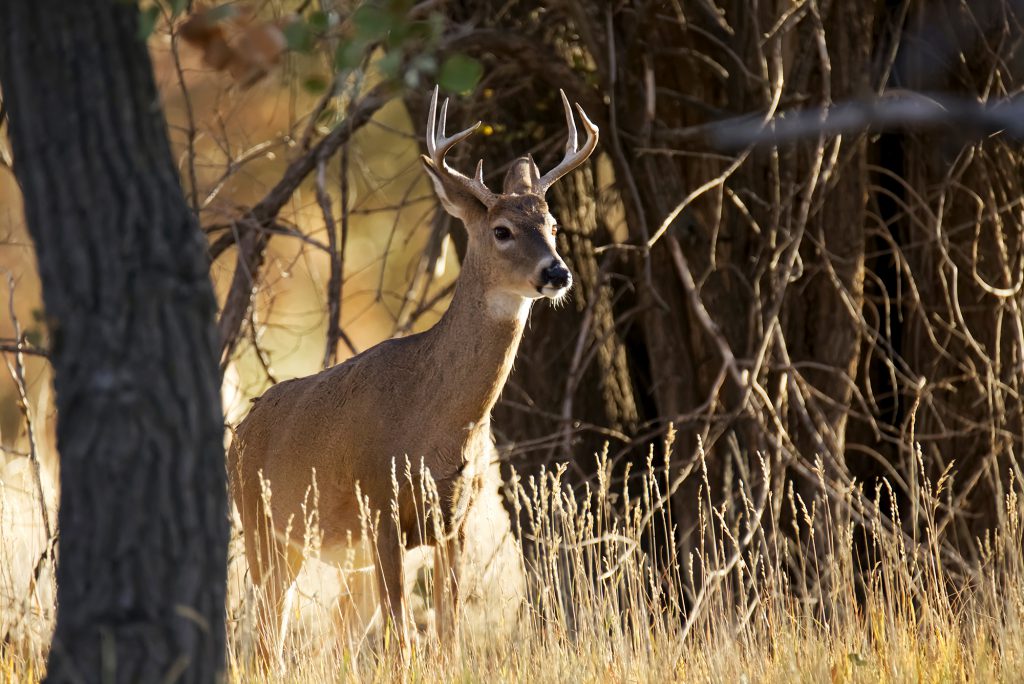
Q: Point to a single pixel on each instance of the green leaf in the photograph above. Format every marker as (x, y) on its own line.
(178, 6)
(349, 54)
(427, 31)
(319, 21)
(399, 34)
(147, 21)
(299, 36)
(315, 83)
(389, 63)
(372, 22)
(460, 73)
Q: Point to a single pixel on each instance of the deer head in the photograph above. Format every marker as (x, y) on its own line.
(511, 246)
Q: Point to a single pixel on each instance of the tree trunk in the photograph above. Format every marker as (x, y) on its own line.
(143, 513)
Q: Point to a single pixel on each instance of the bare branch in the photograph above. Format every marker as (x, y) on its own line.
(252, 242)
(894, 110)
(190, 140)
(17, 371)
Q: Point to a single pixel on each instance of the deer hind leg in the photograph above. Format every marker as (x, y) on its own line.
(447, 571)
(274, 566)
(391, 587)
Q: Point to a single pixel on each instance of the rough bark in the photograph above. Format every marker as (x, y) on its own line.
(143, 515)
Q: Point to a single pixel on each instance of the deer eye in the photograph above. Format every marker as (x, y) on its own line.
(502, 233)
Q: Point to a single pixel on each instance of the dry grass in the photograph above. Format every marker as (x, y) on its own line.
(847, 603)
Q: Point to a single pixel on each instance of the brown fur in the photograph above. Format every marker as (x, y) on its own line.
(424, 399)
(427, 397)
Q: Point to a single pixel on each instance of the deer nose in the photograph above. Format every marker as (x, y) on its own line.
(557, 275)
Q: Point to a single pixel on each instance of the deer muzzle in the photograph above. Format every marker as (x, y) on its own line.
(555, 280)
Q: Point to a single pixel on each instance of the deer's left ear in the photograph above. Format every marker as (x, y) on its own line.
(523, 177)
(454, 198)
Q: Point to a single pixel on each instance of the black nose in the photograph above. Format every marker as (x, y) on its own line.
(557, 276)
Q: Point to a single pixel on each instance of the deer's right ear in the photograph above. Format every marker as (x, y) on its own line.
(454, 198)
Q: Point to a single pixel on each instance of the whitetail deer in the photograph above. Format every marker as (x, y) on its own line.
(425, 399)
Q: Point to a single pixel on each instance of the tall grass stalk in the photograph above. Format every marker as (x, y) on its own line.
(771, 587)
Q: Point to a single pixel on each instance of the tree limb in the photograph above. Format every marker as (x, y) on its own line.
(252, 241)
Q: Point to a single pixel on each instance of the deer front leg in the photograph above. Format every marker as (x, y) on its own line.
(391, 587)
(447, 569)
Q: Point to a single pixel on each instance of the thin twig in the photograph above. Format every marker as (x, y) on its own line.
(17, 370)
(252, 242)
(190, 140)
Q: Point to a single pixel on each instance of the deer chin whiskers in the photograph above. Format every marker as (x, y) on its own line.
(556, 295)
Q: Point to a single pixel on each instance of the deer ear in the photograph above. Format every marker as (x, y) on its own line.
(523, 177)
(455, 200)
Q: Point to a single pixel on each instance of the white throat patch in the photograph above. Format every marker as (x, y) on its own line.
(505, 306)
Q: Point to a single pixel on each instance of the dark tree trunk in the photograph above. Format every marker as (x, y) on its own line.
(143, 513)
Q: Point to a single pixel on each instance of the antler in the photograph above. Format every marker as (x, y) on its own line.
(438, 146)
(573, 157)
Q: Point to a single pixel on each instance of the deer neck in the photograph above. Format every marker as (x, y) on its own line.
(477, 340)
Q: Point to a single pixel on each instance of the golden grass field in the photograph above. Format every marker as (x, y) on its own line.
(588, 603)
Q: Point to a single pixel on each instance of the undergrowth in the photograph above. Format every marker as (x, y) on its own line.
(769, 587)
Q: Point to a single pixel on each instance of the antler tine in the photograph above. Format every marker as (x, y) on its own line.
(431, 124)
(438, 146)
(571, 140)
(573, 157)
(444, 116)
